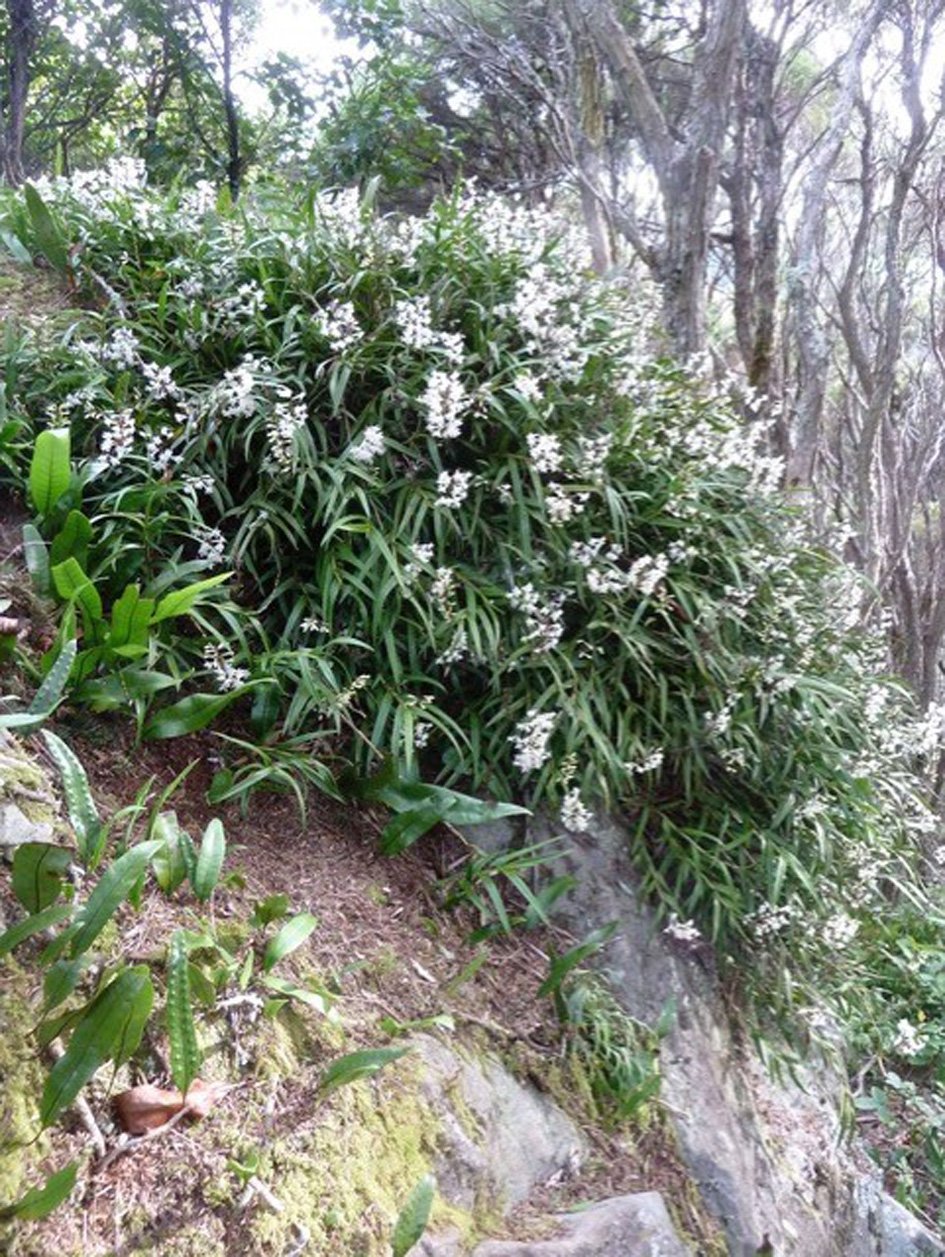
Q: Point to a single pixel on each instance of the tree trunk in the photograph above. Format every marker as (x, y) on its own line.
(20, 44)
(234, 166)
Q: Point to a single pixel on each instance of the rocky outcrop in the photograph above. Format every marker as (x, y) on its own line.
(768, 1158)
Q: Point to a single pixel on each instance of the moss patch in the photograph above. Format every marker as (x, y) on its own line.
(346, 1178)
(22, 1077)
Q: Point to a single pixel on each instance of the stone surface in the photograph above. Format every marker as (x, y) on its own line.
(625, 1226)
(17, 828)
(500, 1138)
(902, 1235)
(767, 1159)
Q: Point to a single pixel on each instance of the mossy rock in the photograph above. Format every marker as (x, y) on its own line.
(23, 1077)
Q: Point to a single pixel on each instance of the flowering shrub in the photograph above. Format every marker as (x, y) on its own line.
(475, 518)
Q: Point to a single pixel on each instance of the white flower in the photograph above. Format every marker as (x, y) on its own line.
(121, 349)
(370, 446)
(544, 620)
(442, 591)
(647, 573)
(444, 399)
(562, 506)
(197, 483)
(545, 451)
(211, 545)
(218, 660)
(457, 650)
(574, 815)
(338, 323)
(529, 387)
(283, 425)
(236, 392)
(908, 1041)
(452, 488)
(162, 454)
(682, 931)
(414, 321)
(840, 930)
(650, 763)
(421, 734)
(118, 437)
(313, 625)
(531, 738)
(593, 452)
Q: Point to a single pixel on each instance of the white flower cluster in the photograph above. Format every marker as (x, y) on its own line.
(244, 304)
(531, 738)
(312, 624)
(575, 817)
(718, 723)
(528, 385)
(767, 921)
(544, 619)
(414, 319)
(118, 438)
(121, 348)
(452, 488)
(211, 545)
(235, 396)
(218, 660)
(650, 763)
(682, 931)
(544, 449)
(369, 446)
(163, 449)
(593, 452)
(457, 650)
(421, 558)
(442, 591)
(283, 424)
(159, 382)
(199, 200)
(648, 572)
(563, 505)
(338, 323)
(444, 401)
(909, 1040)
(840, 930)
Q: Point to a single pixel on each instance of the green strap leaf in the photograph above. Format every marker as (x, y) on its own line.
(113, 888)
(182, 601)
(83, 814)
(110, 1029)
(413, 1217)
(50, 469)
(131, 619)
(39, 1202)
(72, 540)
(292, 935)
(49, 237)
(47, 697)
(169, 863)
(185, 1052)
(190, 714)
(36, 556)
(356, 1065)
(24, 929)
(209, 861)
(72, 585)
(38, 868)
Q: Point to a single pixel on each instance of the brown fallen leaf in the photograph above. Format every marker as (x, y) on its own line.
(146, 1108)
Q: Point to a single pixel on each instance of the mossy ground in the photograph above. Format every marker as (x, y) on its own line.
(342, 1167)
(22, 1081)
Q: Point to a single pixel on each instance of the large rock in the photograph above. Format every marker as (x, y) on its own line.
(499, 1138)
(625, 1226)
(768, 1159)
